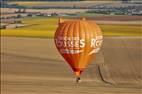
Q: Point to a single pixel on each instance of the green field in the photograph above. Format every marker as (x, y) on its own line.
(44, 27)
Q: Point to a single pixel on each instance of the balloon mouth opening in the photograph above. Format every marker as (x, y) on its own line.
(78, 71)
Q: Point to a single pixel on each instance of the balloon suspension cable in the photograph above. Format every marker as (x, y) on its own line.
(78, 79)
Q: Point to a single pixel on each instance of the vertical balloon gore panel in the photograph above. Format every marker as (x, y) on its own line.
(78, 41)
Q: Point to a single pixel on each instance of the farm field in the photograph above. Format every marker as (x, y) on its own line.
(46, 27)
(34, 66)
(31, 63)
(61, 3)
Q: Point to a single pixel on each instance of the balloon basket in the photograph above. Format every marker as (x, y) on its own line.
(78, 79)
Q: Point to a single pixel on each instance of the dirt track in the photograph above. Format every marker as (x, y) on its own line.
(33, 66)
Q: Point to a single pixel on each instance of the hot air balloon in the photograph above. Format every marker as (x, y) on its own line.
(78, 41)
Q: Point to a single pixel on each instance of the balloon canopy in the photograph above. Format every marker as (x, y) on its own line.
(78, 41)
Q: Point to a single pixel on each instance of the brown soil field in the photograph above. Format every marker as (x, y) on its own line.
(34, 66)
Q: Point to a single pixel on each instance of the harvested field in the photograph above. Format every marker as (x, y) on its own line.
(33, 66)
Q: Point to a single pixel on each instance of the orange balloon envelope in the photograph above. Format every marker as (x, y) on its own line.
(78, 41)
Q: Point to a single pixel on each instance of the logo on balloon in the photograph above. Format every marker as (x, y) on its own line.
(73, 45)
